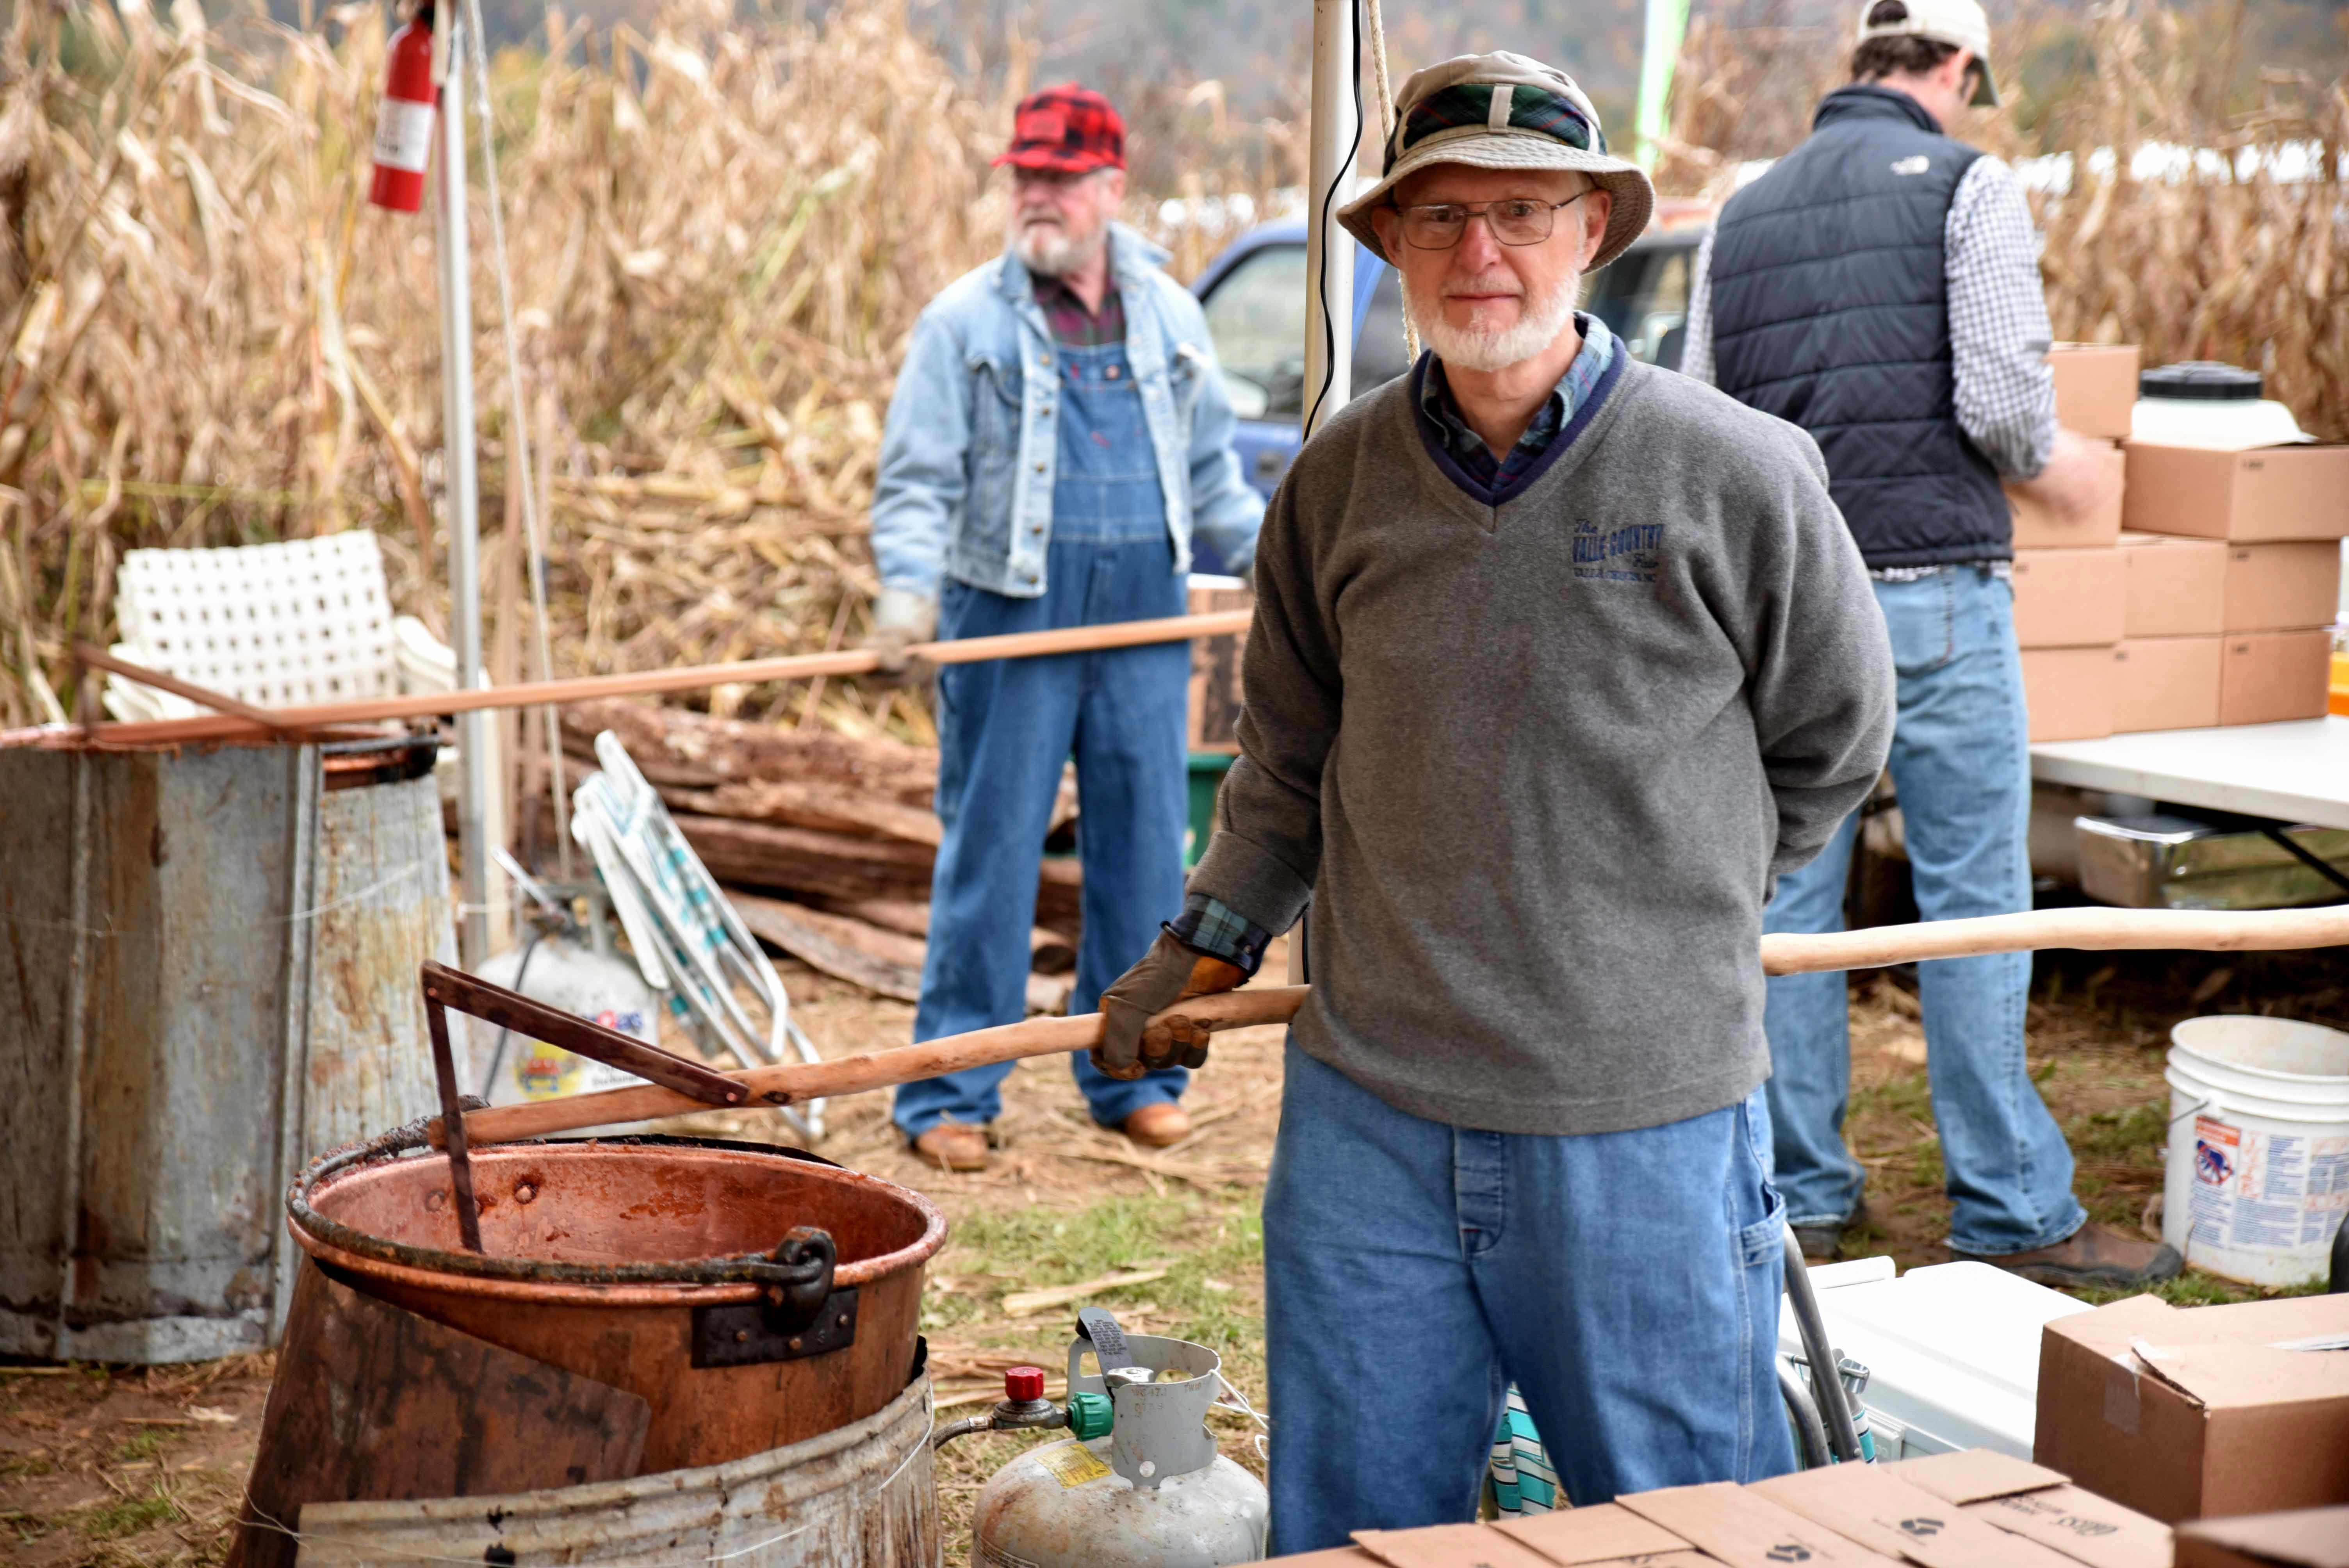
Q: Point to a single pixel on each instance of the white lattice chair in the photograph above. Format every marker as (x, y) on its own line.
(277, 625)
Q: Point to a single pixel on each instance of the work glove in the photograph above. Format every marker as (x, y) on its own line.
(902, 618)
(1169, 972)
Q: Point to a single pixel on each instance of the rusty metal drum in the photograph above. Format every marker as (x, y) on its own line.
(755, 1296)
(862, 1496)
(211, 976)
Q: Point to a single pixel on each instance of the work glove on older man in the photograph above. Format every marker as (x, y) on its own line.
(1169, 972)
(902, 618)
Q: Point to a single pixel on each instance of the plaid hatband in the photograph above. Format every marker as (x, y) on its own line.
(1470, 104)
(1070, 128)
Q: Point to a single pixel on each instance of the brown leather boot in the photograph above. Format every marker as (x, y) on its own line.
(2091, 1255)
(1157, 1126)
(954, 1146)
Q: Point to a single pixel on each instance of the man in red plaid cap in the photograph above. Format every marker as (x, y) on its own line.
(1059, 435)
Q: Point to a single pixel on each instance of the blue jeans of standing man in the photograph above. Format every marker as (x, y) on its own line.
(1960, 764)
(1007, 727)
(1627, 1282)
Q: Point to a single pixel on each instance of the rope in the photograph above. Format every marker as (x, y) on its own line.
(1386, 139)
(518, 461)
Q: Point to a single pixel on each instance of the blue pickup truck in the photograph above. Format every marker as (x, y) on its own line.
(1254, 294)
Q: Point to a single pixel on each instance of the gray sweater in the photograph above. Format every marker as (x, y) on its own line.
(1538, 764)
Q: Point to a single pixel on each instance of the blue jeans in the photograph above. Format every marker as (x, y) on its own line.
(1005, 726)
(1627, 1282)
(1960, 764)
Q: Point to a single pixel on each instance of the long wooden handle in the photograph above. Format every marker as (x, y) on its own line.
(1780, 954)
(2210, 930)
(690, 677)
(778, 1085)
(98, 658)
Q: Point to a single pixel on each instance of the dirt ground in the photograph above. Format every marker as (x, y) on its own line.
(122, 1466)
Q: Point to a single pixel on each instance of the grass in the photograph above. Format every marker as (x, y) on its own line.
(127, 1516)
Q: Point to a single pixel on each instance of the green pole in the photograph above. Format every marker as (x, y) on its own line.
(1667, 25)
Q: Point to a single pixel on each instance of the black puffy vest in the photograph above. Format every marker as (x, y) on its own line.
(1830, 308)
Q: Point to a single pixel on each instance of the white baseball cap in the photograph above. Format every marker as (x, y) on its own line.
(1960, 24)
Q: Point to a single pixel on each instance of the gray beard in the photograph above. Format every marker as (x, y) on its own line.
(1048, 254)
(1538, 326)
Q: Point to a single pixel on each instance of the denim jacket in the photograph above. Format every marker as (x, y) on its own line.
(965, 487)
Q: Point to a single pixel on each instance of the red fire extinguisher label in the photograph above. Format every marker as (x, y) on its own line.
(403, 135)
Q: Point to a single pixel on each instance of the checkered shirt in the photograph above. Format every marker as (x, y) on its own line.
(1468, 448)
(1072, 324)
(1208, 925)
(1999, 333)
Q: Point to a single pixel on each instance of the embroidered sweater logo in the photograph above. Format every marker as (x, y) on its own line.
(1632, 553)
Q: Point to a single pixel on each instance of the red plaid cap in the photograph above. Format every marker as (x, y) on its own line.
(1068, 127)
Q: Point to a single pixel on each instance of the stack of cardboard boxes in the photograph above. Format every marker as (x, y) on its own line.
(1973, 1510)
(2204, 596)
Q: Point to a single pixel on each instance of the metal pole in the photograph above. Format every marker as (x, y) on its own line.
(1334, 130)
(474, 783)
(1667, 25)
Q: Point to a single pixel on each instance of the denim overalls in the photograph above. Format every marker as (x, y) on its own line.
(1006, 726)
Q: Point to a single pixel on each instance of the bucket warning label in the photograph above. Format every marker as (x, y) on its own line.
(2268, 1192)
(1073, 1464)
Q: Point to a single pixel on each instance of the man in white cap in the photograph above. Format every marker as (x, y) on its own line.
(1558, 660)
(1879, 287)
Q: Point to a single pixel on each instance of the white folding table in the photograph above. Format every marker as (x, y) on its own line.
(2297, 772)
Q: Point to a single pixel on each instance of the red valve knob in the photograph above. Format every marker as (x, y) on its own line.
(1023, 1385)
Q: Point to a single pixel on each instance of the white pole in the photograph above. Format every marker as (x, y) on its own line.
(1333, 129)
(474, 745)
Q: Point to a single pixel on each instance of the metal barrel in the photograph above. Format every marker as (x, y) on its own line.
(861, 1496)
(209, 973)
(753, 1296)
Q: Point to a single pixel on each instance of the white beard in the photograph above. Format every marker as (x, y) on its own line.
(1540, 322)
(1050, 251)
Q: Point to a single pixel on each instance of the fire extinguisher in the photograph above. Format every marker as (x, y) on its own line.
(403, 121)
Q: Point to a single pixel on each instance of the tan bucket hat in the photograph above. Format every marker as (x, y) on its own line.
(1502, 111)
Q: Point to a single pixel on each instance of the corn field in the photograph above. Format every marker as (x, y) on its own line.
(720, 231)
(720, 236)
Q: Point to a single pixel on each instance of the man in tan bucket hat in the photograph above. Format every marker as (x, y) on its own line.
(1558, 660)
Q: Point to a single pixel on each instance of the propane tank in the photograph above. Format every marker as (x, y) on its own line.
(1138, 1483)
(566, 963)
(403, 119)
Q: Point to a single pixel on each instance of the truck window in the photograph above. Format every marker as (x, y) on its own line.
(1257, 316)
(1379, 354)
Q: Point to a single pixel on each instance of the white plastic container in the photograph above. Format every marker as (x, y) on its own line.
(1951, 1351)
(2203, 404)
(2258, 1174)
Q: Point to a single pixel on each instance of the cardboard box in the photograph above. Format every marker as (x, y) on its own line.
(2070, 598)
(2036, 528)
(2303, 1538)
(2267, 677)
(2267, 492)
(1603, 1533)
(2187, 1413)
(1876, 1507)
(2069, 692)
(2283, 587)
(1215, 694)
(1448, 1546)
(2166, 683)
(2176, 587)
(1743, 1528)
(2095, 388)
(2039, 1504)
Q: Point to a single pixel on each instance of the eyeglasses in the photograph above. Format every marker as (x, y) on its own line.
(1513, 219)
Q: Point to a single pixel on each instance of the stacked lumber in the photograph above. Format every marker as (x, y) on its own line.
(825, 842)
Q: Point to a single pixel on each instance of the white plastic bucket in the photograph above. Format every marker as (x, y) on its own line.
(2258, 1173)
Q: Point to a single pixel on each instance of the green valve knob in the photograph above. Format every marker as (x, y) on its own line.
(1090, 1416)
